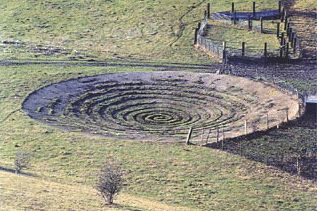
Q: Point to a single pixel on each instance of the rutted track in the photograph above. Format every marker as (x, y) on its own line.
(153, 106)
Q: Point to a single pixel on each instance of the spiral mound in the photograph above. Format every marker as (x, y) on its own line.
(152, 106)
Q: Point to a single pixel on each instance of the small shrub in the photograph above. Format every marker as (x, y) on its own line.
(110, 180)
(22, 161)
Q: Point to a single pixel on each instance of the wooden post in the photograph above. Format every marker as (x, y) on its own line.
(290, 34)
(217, 135)
(235, 18)
(232, 7)
(279, 8)
(196, 36)
(245, 127)
(208, 136)
(287, 50)
(249, 23)
(286, 112)
(282, 37)
(267, 121)
(292, 38)
(295, 42)
(254, 9)
(265, 51)
(189, 135)
(282, 15)
(224, 56)
(285, 23)
(202, 135)
(208, 10)
(223, 138)
(278, 29)
(261, 20)
(205, 15)
(243, 49)
(281, 51)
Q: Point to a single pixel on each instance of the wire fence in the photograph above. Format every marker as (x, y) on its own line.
(289, 43)
(216, 134)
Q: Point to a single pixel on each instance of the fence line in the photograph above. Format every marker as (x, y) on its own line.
(224, 52)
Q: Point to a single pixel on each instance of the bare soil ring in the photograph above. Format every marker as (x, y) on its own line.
(157, 105)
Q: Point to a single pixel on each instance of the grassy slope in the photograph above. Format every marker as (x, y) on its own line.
(174, 174)
(151, 30)
(36, 193)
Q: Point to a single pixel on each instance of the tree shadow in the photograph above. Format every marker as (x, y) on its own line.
(10, 170)
(291, 148)
(123, 207)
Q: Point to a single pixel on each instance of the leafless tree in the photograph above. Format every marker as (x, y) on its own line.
(21, 161)
(110, 180)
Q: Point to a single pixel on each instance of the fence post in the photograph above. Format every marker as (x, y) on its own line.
(208, 136)
(243, 48)
(282, 37)
(281, 51)
(202, 135)
(295, 42)
(267, 121)
(283, 15)
(208, 10)
(245, 127)
(235, 18)
(249, 23)
(224, 56)
(217, 134)
(189, 135)
(254, 9)
(292, 38)
(286, 111)
(279, 8)
(290, 34)
(261, 20)
(223, 138)
(285, 23)
(278, 29)
(265, 51)
(232, 7)
(196, 36)
(287, 49)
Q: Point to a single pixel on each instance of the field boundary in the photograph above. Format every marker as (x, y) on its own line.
(290, 47)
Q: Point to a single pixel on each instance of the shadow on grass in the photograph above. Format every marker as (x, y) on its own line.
(10, 170)
(122, 207)
(291, 148)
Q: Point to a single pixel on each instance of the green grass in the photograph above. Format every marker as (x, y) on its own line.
(138, 31)
(173, 173)
(220, 32)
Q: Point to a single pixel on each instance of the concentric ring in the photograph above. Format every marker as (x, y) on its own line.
(152, 106)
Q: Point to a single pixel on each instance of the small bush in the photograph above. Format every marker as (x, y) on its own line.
(110, 180)
(22, 161)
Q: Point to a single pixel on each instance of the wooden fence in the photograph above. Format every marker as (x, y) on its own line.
(287, 36)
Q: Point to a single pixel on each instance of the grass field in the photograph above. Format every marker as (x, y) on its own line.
(158, 176)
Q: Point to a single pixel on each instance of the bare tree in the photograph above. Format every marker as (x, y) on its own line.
(110, 180)
(21, 161)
